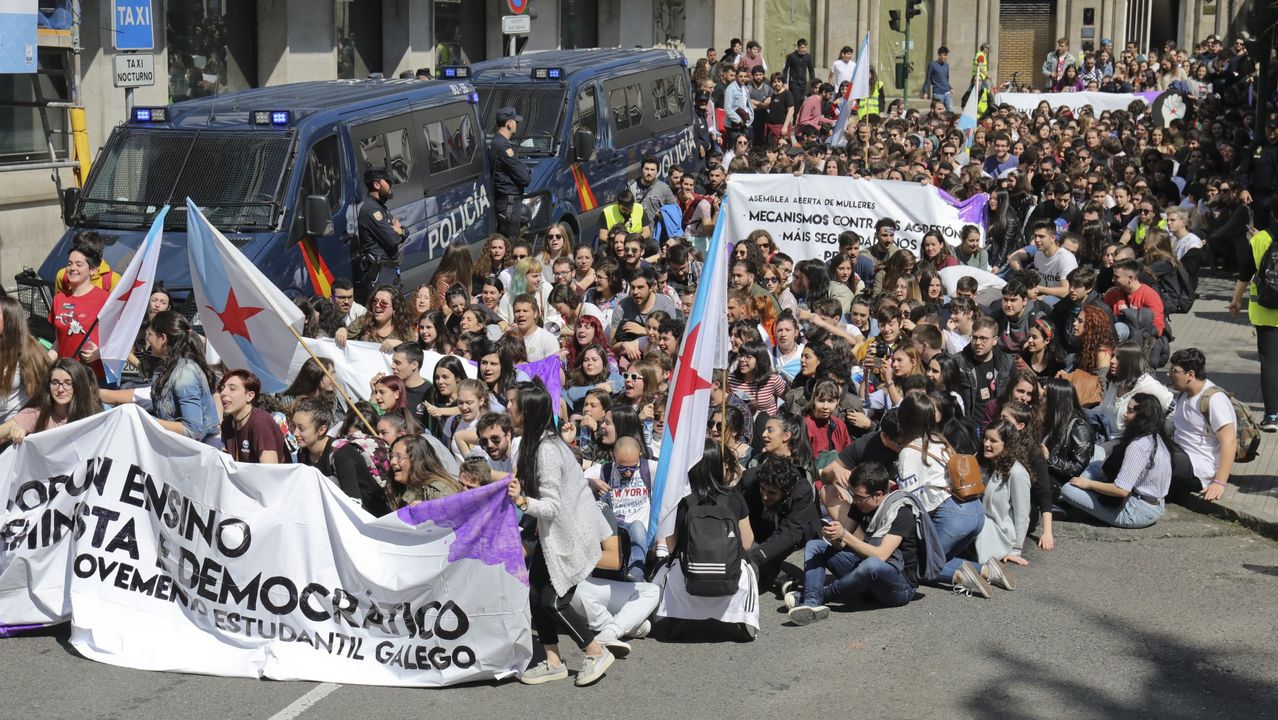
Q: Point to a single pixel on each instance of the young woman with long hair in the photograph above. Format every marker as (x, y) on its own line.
(389, 394)
(1041, 352)
(69, 394)
(551, 489)
(441, 398)
(1129, 374)
(921, 469)
(1138, 474)
(754, 381)
(558, 244)
(936, 252)
(388, 321)
(591, 373)
(1006, 503)
(1094, 336)
(24, 364)
(433, 333)
(181, 388)
(1068, 440)
(494, 257)
(418, 470)
(454, 267)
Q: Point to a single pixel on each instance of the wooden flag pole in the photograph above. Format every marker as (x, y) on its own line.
(328, 374)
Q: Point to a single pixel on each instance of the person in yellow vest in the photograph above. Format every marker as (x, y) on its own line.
(625, 211)
(874, 103)
(1264, 318)
(1146, 218)
(981, 73)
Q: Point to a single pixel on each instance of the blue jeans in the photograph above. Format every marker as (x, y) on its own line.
(638, 531)
(1132, 513)
(957, 525)
(947, 98)
(853, 576)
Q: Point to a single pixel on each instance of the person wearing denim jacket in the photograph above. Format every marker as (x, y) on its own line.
(187, 400)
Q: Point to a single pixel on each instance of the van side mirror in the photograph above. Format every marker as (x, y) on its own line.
(583, 144)
(70, 199)
(316, 212)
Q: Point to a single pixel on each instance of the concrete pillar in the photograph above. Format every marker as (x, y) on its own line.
(406, 37)
(873, 29)
(758, 24)
(300, 45)
(822, 58)
(1062, 10)
(1120, 26)
(862, 22)
(996, 9)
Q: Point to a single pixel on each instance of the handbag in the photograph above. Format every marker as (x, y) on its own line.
(1087, 386)
(964, 471)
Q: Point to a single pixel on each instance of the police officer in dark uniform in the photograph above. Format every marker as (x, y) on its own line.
(376, 261)
(510, 176)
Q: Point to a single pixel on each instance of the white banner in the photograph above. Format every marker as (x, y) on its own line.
(806, 214)
(355, 365)
(166, 555)
(1100, 102)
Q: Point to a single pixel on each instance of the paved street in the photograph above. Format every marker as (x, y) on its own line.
(1176, 621)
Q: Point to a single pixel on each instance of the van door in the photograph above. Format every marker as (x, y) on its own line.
(583, 199)
(323, 175)
(622, 103)
(455, 194)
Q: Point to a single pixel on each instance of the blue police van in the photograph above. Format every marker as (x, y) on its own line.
(590, 117)
(274, 166)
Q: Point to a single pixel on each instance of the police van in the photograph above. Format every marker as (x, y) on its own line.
(590, 117)
(279, 170)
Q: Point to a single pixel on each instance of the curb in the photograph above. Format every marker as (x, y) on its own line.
(1261, 526)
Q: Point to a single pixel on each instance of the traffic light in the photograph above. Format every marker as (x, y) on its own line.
(913, 9)
(894, 19)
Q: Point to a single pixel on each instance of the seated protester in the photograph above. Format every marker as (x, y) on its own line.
(701, 596)
(1129, 374)
(963, 311)
(441, 400)
(24, 362)
(526, 322)
(733, 425)
(985, 370)
(670, 335)
(1082, 293)
(472, 402)
(783, 512)
(787, 353)
(873, 552)
(615, 606)
(388, 393)
(922, 470)
(1053, 262)
(398, 423)
(953, 423)
(631, 313)
(497, 369)
(1205, 424)
(1138, 473)
(1190, 249)
(1043, 492)
(755, 382)
(590, 423)
(497, 445)
(474, 472)
(889, 320)
(1137, 306)
(881, 447)
(342, 462)
(970, 252)
(625, 483)
(389, 321)
(591, 373)
(903, 363)
(943, 374)
(419, 476)
(1006, 502)
(1041, 352)
(1068, 439)
(249, 433)
(1014, 316)
(69, 394)
(826, 431)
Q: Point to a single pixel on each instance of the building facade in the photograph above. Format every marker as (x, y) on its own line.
(204, 47)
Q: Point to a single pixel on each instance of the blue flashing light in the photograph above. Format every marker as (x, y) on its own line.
(454, 72)
(149, 115)
(277, 118)
(543, 73)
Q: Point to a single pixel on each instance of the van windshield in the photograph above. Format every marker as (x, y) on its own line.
(539, 105)
(235, 177)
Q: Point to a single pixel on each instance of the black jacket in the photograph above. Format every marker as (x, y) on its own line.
(1069, 456)
(981, 410)
(795, 521)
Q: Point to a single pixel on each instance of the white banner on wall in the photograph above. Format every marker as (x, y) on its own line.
(166, 555)
(806, 214)
(1100, 101)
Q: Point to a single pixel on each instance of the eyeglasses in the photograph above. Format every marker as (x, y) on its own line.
(399, 456)
(858, 499)
(770, 281)
(631, 376)
(557, 236)
(983, 338)
(381, 303)
(68, 384)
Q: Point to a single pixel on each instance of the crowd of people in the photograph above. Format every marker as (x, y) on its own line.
(891, 432)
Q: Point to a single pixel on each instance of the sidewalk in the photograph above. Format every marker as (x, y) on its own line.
(1229, 342)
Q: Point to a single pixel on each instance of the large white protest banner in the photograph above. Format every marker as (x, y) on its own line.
(805, 214)
(1100, 101)
(164, 554)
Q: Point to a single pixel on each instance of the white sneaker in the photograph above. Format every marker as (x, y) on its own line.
(593, 669)
(791, 599)
(642, 631)
(998, 577)
(968, 581)
(808, 614)
(542, 672)
(613, 644)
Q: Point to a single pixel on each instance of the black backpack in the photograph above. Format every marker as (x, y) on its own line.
(711, 553)
(1177, 290)
(1267, 278)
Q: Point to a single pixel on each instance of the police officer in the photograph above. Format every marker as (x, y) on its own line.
(1264, 174)
(380, 235)
(510, 176)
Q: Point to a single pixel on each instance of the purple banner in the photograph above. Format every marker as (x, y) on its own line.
(484, 523)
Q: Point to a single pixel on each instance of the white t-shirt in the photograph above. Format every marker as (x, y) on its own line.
(842, 71)
(16, 397)
(630, 498)
(1054, 269)
(1196, 436)
(540, 345)
(930, 482)
(1187, 243)
(354, 313)
(507, 465)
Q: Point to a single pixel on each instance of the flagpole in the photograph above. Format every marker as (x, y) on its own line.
(328, 374)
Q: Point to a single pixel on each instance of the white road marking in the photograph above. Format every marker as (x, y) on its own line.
(302, 704)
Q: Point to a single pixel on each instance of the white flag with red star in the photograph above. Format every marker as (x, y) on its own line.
(122, 314)
(245, 316)
(704, 348)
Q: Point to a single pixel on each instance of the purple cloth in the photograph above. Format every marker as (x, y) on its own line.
(550, 370)
(11, 630)
(974, 210)
(484, 523)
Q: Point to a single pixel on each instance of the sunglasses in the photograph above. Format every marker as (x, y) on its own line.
(770, 281)
(555, 235)
(631, 376)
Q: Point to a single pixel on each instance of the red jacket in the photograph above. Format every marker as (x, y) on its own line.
(1144, 297)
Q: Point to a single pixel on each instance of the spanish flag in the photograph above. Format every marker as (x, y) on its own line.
(321, 277)
(585, 196)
